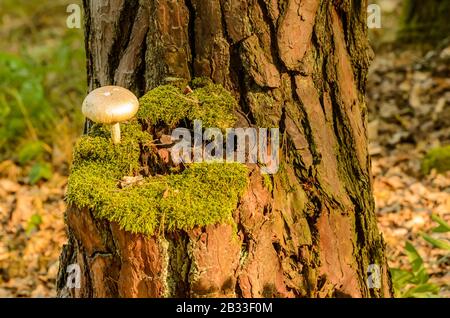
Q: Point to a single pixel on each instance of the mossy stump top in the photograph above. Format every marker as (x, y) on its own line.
(202, 194)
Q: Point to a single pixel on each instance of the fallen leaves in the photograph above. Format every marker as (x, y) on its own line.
(409, 107)
(30, 245)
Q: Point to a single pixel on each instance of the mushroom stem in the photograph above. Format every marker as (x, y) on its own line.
(115, 133)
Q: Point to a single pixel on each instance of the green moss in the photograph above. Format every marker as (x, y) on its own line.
(199, 82)
(203, 194)
(266, 110)
(267, 181)
(165, 104)
(208, 102)
(438, 158)
(98, 147)
(215, 108)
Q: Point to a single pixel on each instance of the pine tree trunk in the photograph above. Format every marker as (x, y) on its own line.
(300, 65)
(425, 21)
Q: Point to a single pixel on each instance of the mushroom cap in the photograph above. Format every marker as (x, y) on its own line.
(110, 105)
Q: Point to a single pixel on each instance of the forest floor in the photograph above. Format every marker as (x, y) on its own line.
(409, 103)
(409, 114)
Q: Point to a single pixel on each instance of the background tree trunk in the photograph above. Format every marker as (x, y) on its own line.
(425, 21)
(299, 65)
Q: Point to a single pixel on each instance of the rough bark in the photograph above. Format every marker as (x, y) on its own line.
(425, 21)
(300, 65)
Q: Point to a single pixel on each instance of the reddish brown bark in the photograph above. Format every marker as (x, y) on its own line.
(300, 65)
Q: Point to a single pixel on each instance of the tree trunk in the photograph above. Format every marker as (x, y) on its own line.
(425, 21)
(300, 65)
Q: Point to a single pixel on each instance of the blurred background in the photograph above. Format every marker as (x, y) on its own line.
(43, 83)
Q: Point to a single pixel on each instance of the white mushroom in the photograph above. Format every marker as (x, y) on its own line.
(110, 105)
